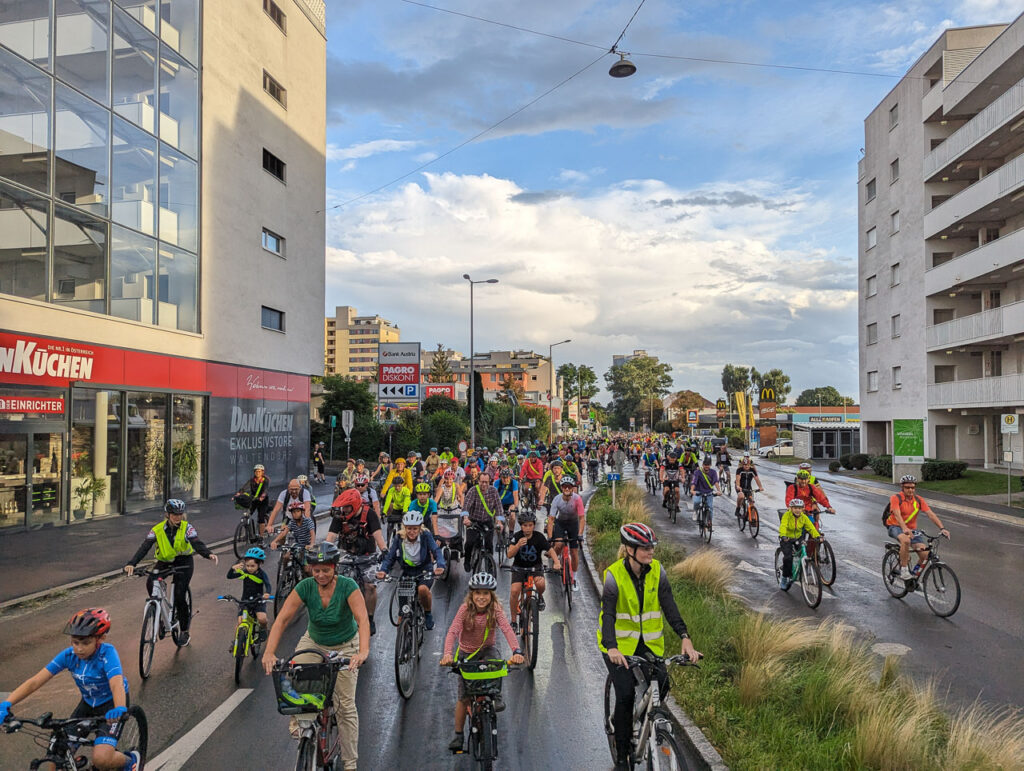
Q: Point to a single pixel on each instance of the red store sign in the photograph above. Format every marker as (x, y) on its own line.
(439, 390)
(32, 404)
(398, 374)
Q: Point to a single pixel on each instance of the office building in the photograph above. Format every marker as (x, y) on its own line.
(162, 186)
(350, 342)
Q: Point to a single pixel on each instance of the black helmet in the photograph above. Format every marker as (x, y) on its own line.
(527, 516)
(325, 553)
(175, 506)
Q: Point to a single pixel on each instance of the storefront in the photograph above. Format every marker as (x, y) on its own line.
(89, 431)
(825, 439)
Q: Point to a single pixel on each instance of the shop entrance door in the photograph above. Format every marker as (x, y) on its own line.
(31, 481)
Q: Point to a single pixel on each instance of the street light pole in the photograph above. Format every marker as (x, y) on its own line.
(551, 387)
(472, 367)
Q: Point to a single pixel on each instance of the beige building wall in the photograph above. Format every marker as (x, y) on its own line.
(350, 342)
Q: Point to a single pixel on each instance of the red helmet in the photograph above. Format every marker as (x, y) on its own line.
(637, 534)
(88, 622)
(349, 498)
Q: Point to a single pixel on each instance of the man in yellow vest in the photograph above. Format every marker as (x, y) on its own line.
(636, 601)
(176, 541)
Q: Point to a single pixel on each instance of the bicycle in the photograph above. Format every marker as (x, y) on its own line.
(63, 737)
(653, 744)
(704, 517)
(529, 613)
(247, 532)
(247, 639)
(748, 514)
(592, 474)
(482, 561)
(824, 555)
(568, 576)
(635, 460)
(411, 631)
(481, 684)
(649, 481)
(805, 570)
(159, 617)
(725, 478)
(451, 546)
(672, 501)
(289, 572)
(937, 580)
(306, 692)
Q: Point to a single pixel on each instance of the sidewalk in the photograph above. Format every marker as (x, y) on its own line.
(38, 560)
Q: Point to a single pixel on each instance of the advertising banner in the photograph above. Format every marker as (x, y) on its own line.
(908, 441)
(741, 407)
(439, 389)
(766, 404)
(398, 363)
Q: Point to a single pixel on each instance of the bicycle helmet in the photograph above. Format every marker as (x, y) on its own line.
(175, 506)
(908, 479)
(255, 553)
(673, 455)
(803, 474)
(325, 553)
(637, 534)
(88, 622)
(484, 581)
(349, 499)
(302, 479)
(398, 480)
(557, 463)
(422, 487)
(796, 503)
(505, 471)
(433, 449)
(449, 476)
(527, 516)
(361, 479)
(384, 457)
(567, 481)
(412, 519)
(258, 467)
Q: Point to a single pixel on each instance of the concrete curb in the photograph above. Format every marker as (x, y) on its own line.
(695, 739)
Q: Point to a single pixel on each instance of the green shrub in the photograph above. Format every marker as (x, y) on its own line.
(845, 461)
(882, 465)
(859, 460)
(834, 466)
(785, 434)
(604, 518)
(942, 469)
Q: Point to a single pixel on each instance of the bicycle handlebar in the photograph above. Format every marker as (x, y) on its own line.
(252, 601)
(536, 571)
(334, 658)
(681, 660)
(154, 571)
(47, 722)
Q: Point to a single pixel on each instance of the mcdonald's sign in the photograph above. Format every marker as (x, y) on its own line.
(720, 407)
(767, 394)
(766, 404)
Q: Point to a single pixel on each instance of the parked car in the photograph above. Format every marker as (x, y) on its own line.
(782, 447)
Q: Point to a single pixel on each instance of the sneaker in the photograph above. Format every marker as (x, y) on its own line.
(575, 585)
(185, 638)
(905, 573)
(499, 704)
(785, 583)
(455, 745)
(916, 570)
(514, 623)
(134, 760)
(428, 621)
(541, 605)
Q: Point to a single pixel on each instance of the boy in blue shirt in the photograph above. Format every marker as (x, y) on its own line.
(96, 669)
(255, 585)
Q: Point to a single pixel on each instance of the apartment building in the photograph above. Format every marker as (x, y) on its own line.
(941, 248)
(531, 370)
(622, 358)
(162, 181)
(350, 342)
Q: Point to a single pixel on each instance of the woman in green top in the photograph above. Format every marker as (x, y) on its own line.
(337, 612)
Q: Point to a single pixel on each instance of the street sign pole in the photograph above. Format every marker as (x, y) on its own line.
(1009, 425)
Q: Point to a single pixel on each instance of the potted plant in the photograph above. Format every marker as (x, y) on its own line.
(185, 460)
(88, 492)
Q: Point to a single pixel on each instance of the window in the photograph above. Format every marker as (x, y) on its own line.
(894, 274)
(132, 275)
(275, 89)
(996, 363)
(273, 164)
(31, 19)
(894, 222)
(272, 242)
(135, 72)
(274, 12)
(179, 26)
(894, 115)
(179, 103)
(272, 319)
(897, 378)
(872, 333)
(894, 171)
(873, 380)
(179, 196)
(25, 243)
(133, 195)
(25, 116)
(178, 306)
(895, 325)
(79, 261)
(872, 238)
(82, 49)
(82, 148)
(872, 286)
(945, 373)
(938, 258)
(870, 189)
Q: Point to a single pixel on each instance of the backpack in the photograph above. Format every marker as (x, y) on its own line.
(886, 512)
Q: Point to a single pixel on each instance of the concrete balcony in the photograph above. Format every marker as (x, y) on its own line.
(932, 101)
(1004, 391)
(985, 125)
(984, 327)
(861, 169)
(972, 265)
(986, 193)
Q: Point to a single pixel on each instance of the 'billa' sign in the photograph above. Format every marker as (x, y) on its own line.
(766, 404)
(720, 407)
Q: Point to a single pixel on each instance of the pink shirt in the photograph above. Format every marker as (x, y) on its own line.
(468, 630)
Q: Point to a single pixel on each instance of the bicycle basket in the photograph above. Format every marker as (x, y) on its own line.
(406, 589)
(243, 501)
(483, 678)
(303, 688)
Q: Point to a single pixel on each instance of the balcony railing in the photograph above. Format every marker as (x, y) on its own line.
(977, 196)
(971, 265)
(978, 327)
(1007, 390)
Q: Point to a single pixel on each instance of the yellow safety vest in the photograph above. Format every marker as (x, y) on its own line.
(165, 552)
(629, 623)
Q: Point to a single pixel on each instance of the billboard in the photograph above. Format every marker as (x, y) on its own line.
(908, 441)
(766, 404)
(439, 389)
(398, 363)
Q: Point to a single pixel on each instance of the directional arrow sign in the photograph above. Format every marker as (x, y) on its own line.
(397, 391)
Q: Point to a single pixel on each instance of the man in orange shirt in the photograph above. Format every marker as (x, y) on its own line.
(904, 507)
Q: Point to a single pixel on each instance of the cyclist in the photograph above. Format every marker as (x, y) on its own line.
(746, 475)
(96, 669)
(176, 541)
(425, 505)
(689, 460)
(483, 507)
(355, 527)
(475, 630)
(446, 455)
(433, 462)
(532, 472)
(383, 470)
(301, 527)
(551, 485)
(304, 484)
(636, 603)
(704, 487)
(508, 491)
(525, 551)
(670, 476)
(369, 495)
(399, 470)
(792, 525)
(397, 500)
(255, 584)
(320, 462)
(293, 497)
(903, 508)
(593, 461)
(722, 460)
(418, 551)
(811, 495)
(569, 465)
(810, 474)
(649, 459)
(255, 493)
(337, 622)
(567, 521)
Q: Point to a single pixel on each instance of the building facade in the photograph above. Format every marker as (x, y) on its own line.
(941, 248)
(162, 179)
(622, 358)
(350, 342)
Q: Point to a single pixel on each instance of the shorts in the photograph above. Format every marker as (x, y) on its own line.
(671, 483)
(319, 467)
(568, 529)
(364, 575)
(427, 581)
(487, 652)
(895, 530)
(519, 575)
(106, 733)
(256, 607)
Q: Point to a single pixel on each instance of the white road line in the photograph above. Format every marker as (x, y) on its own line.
(175, 756)
(869, 571)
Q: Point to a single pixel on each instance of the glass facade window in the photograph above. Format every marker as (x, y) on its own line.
(179, 199)
(133, 193)
(187, 447)
(179, 26)
(146, 459)
(143, 11)
(24, 122)
(79, 260)
(81, 151)
(178, 306)
(96, 450)
(134, 82)
(23, 243)
(132, 275)
(272, 319)
(82, 47)
(179, 103)
(25, 29)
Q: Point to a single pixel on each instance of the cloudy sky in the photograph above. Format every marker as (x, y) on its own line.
(703, 211)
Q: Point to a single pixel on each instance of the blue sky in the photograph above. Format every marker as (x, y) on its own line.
(705, 212)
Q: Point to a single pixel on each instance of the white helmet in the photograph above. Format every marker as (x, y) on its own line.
(908, 479)
(302, 479)
(796, 503)
(412, 519)
(483, 580)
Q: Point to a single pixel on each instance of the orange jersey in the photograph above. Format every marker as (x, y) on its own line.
(909, 509)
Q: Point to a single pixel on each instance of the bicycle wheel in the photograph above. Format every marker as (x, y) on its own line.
(306, 759)
(826, 561)
(895, 585)
(241, 638)
(567, 577)
(486, 563)
(667, 754)
(705, 525)
(741, 517)
(284, 585)
(755, 521)
(241, 540)
(486, 749)
(447, 554)
(941, 589)
(810, 582)
(778, 566)
(406, 660)
(176, 631)
(148, 642)
(394, 611)
(533, 633)
(134, 733)
(609, 716)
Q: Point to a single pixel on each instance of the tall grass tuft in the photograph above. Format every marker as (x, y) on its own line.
(900, 730)
(983, 737)
(762, 646)
(707, 569)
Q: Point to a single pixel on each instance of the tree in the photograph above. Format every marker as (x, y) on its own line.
(633, 381)
(444, 429)
(341, 394)
(688, 400)
(440, 367)
(510, 383)
(478, 397)
(578, 381)
(735, 379)
(830, 397)
(775, 379)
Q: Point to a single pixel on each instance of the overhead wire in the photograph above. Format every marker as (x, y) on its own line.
(622, 34)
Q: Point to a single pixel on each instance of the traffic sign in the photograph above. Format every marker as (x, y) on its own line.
(463, 446)
(615, 477)
(533, 422)
(334, 421)
(347, 421)
(691, 417)
(1010, 424)
(398, 391)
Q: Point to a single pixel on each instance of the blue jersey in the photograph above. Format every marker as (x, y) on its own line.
(426, 511)
(505, 491)
(92, 675)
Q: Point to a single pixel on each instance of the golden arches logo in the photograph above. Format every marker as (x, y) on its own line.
(767, 394)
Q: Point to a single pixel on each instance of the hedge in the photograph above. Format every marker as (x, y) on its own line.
(882, 465)
(942, 469)
(834, 466)
(859, 460)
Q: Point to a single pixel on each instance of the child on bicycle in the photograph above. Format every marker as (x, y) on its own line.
(793, 524)
(255, 585)
(416, 550)
(96, 669)
(527, 547)
(475, 629)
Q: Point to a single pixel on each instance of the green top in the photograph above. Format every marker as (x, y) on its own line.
(334, 624)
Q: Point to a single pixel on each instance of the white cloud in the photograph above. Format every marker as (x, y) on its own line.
(425, 157)
(366, 149)
(572, 175)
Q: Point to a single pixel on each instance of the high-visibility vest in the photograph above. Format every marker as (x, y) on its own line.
(630, 624)
(165, 551)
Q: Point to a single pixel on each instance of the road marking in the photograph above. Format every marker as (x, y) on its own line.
(890, 649)
(869, 571)
(175, 756)
(746, 566)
